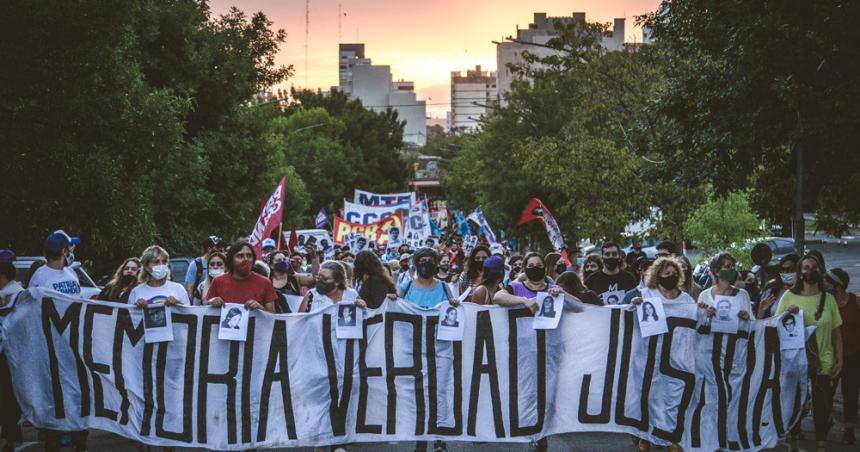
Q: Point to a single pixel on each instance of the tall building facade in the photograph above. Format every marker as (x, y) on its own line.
(372, 84)
(473, 94)
(540, 32)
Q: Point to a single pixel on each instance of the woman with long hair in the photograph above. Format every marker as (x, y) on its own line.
(215, 267)
(491, 279)
(591, 265)
(836, 281)
(155, 285)
(570, 283)
(552, 261)
(774, 289)
(471, 275)
(124, 279)
(819, 309)
(372, 281)
(663, 279)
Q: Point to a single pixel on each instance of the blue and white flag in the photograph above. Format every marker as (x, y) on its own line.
(322, 219)
(478, 217)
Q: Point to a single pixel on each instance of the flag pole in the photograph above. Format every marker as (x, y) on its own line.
(280, 234)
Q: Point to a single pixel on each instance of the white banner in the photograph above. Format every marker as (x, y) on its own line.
(79, 364)
(375, 199)
(362, 214)
(418, 224)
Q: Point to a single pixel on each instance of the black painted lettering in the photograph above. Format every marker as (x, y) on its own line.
(484, 343)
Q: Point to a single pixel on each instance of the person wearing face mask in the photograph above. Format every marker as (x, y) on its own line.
(524, 292)
(155, 285)
(215, 267)
(591, 264)
(723, 267)
(444, 274)
(635, 253)
(775, 288)
(663, 279)
(240, 284)
(427, 292)
(494, 271)
(611, 278)
(516, 268)
(124, 279)
(821, 310)
(554, 265)
(371, 280)
(331, 288)
(284, 277)
(56, 274)
(471, 276)
(642, 265)
(836, 281)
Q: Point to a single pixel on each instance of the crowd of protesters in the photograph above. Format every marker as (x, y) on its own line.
(492, 274)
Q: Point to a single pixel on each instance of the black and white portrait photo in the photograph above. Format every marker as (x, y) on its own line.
(726, 319)
(547, 307)
(649, 313)
(155, 317)
(792, 333)
(157, 325)
(451, 317)
(346, 315)
(233, 319)
(724, 309)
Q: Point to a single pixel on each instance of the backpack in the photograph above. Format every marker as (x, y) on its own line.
(197, 278)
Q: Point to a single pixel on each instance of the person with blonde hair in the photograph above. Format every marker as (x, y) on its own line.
(124, 279)
(663, 279)
(155, 285)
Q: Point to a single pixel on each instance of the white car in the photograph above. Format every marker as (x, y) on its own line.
(89, 289)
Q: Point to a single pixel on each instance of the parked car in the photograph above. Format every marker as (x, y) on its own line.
(779, 246)
(179, 267)
(89, 289)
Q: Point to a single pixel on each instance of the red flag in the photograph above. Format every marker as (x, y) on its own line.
(294, 240)
(536, 210)
(270, 217)
(533, 211)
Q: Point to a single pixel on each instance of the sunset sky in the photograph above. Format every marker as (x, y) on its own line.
(422, 41)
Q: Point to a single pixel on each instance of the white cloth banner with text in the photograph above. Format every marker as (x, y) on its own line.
(78, 364)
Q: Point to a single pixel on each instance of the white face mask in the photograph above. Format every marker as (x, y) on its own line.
(787, 278)
(216, 272)
(159, 272)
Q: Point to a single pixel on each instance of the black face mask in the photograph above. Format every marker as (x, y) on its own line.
(587, 273)
(535, 273)
(669, 282)
(426, 270)
(611, 263)
(560, 268)
(127, 279)
(325, 288)
(443, 268)
(812, 277)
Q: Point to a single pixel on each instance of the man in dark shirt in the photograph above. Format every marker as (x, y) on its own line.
(611, 282)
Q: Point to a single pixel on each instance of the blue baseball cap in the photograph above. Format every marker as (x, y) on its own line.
(6, 255)
(494, 264)
(72, 240)
(57, 241)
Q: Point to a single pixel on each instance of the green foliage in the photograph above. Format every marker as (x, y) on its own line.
(126, 122)
(750, 83)
(581, 136)
(722, 222)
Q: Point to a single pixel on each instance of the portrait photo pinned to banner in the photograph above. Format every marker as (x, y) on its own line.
(726, 319)
(791, 331)
(374, 232)
(548, 312)
(350, 319)
(234, 322)
(395, 237)
(157, 325)
(358, 243)
(651, 317)
(451, 322)
(612, 297)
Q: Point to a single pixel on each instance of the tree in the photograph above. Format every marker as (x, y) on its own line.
(763, 96)
(722, 222)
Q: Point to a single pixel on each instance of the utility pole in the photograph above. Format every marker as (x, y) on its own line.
(307, 27)
(799, 221)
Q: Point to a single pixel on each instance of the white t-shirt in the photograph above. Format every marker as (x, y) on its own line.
(743, 296)
(321, 302)
(680, 299)
(63, 281)
(160, 294)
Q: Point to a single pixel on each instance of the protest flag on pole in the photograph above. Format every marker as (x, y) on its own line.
(271, 215)
(536, 210)
(478, 217)
(322, 219)
(294, 240)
